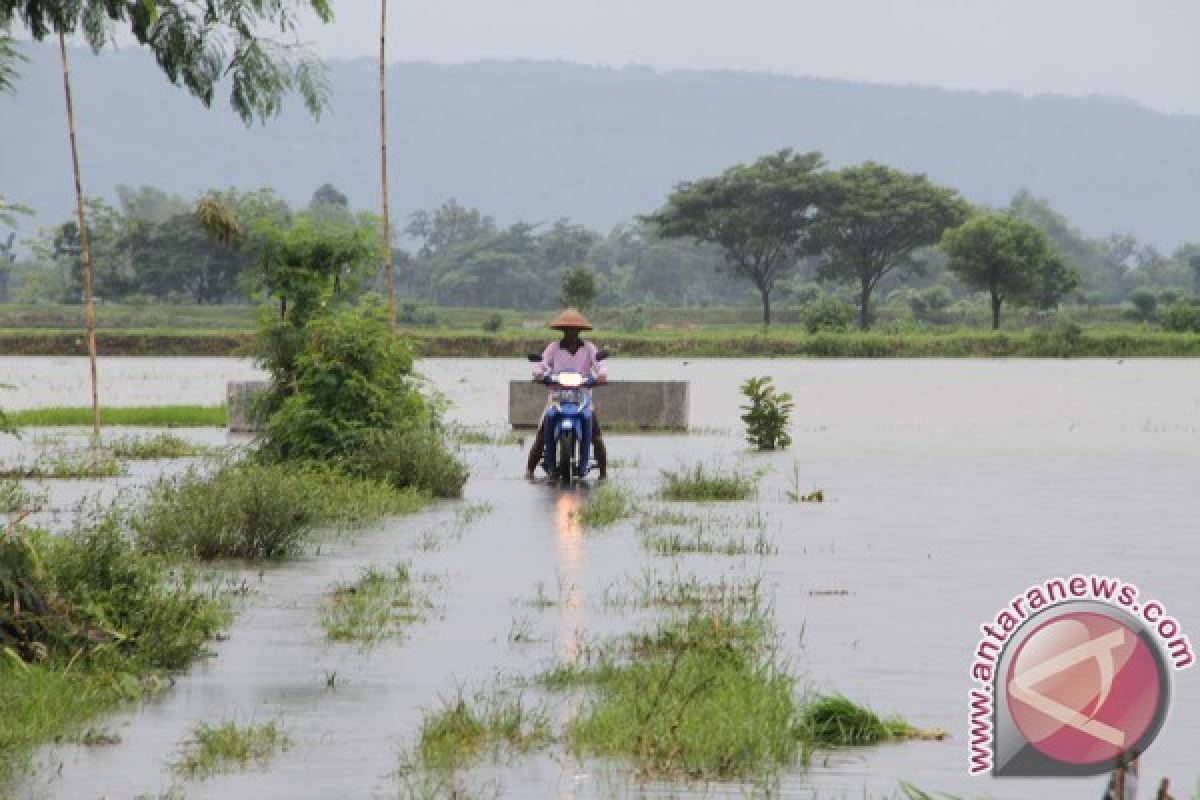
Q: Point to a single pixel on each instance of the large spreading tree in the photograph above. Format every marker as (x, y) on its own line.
(760, 215)
(1011, 259)
(874, 220)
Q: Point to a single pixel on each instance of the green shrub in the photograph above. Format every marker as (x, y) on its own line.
(634, 319)
(493, 323)
(241, 511)
(352, 400)
(145, 615)
(767, 414)
(578, 288)
(827, 314)
(926, 304)
(1145, 303)
(259, 511)
(408, 458)
(1182, 317)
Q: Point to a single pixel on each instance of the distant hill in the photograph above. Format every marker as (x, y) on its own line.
(539, 140)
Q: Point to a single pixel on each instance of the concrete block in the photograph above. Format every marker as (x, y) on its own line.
(643, 405)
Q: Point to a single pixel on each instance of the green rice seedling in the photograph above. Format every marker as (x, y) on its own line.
(835, 721)
(703, 484)
(377, 606)
(700, 706)
(606, 506)
(141, 416)
(229, 747)
(163, 445)
(459, 733)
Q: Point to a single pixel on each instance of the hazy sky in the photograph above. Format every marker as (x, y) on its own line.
(1144, 49)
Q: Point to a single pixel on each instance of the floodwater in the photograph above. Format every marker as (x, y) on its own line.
(951, 486)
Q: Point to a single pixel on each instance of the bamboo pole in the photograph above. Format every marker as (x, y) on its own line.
(389, 267)
(85, 252)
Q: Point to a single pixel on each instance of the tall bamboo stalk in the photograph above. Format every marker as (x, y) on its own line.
(85, 252)
(389, 268)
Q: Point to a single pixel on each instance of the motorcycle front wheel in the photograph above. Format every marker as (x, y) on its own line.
(566, 456)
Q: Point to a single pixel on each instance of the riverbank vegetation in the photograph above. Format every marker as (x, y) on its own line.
(88, 620)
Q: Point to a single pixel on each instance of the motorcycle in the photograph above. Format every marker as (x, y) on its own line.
(568, 424)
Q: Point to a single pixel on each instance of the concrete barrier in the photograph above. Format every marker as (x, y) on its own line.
(642, 405)
(239, 405)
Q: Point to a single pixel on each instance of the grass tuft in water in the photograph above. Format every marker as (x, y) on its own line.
(67, 465)
(379, 605)
(471, 513)
(704, 484)
(707, 701)
(487, 436)
(835, 721)
(215, 749)
(666, 518)
(146, 448)
(460, 732)
(606, 505)
(703, 541)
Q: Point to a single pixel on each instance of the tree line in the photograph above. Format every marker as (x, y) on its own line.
(782, 229)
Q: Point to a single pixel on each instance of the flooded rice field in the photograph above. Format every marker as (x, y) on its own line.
(949, 487)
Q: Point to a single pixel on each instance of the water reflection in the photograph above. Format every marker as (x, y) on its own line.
(569, 539)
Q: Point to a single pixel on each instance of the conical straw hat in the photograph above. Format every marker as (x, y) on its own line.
(571, 318)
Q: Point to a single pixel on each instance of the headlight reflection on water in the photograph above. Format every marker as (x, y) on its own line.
(569, 538)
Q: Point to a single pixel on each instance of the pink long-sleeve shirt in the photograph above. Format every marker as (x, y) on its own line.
(557, 358)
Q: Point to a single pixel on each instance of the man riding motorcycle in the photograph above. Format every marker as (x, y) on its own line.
(570, 354)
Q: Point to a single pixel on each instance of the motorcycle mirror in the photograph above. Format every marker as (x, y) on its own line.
(534, 358)
(601, 355)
